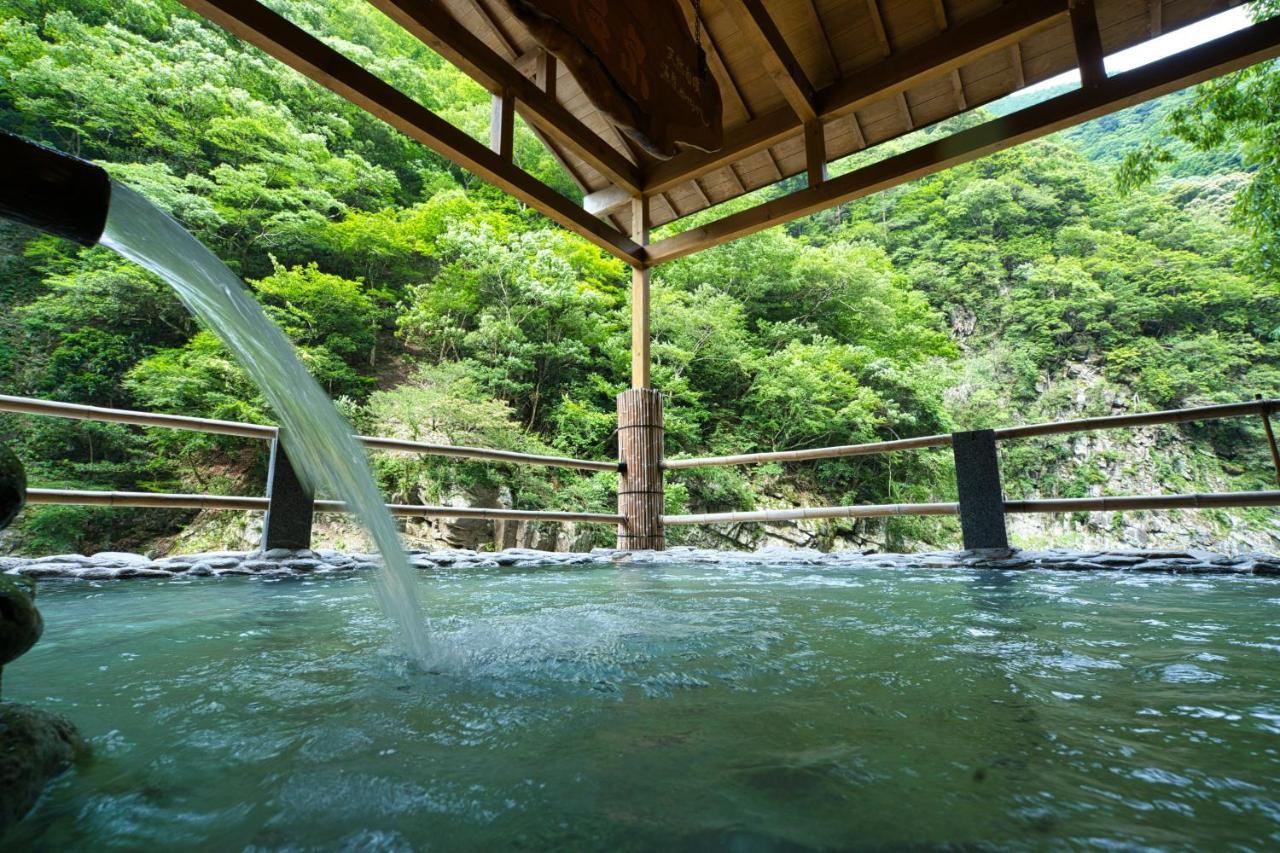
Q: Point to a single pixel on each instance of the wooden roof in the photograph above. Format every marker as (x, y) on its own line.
(803, 83)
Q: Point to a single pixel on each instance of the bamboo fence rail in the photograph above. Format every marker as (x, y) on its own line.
(29, 406)
(228, 502)
(1229, 410)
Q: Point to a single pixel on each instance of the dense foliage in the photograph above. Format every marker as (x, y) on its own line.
(434, 307)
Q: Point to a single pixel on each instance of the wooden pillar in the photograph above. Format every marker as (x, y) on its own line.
(640, 377)
(640, 442)
(640, 431)
(288, 521)
(980, 492)
(502, 118)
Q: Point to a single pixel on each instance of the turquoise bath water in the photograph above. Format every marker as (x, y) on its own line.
(681, 706)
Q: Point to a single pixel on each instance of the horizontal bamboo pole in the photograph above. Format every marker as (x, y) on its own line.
(375, 443)
(814, 452)
(1199, 413)
(856, 511)
(1170, 416)
(487, 513)
(30, 406)
(225, 502)
(143, 499)
(1204, 500)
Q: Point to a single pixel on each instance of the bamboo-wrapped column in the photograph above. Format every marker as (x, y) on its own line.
(640, 432)
(640, 440)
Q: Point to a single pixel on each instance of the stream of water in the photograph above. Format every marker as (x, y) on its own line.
(672, 706)
(318, 440)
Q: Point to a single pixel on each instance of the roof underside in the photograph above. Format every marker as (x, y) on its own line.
(854, 73)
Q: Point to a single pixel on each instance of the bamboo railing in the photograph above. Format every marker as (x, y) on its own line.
(29, 406)
(1172, 416)
(1260, 407)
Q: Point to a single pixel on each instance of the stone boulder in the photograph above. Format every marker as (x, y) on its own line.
(35, 747)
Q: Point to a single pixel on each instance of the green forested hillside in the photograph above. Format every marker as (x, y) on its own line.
(1019, 287)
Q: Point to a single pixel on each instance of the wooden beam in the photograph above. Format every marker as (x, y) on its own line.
(810, 10)
(1195, 65)
(957, 87)
(815, 153)
(1088, 40)
(940, 14)
(640, 280)
(904, 110)
(758, 28)
(877, 27)
(432, 24)
(270, 32)
(502, 120)
(544, 72)
(935, 57)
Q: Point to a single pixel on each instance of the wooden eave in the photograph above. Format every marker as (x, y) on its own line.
(803, 83)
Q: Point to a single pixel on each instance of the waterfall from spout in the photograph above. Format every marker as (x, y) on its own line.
(318, 440)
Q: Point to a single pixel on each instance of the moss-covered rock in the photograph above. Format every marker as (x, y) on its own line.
(35, 747)
(13, 486)
(20, 621)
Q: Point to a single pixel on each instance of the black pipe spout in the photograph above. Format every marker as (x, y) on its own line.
(52, 191)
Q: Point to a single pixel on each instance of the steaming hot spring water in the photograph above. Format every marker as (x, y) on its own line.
(734, 704)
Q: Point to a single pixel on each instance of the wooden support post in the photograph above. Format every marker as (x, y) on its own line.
(640, 443)
(640, 298)
(815, 152)
(290, 507)
(502, 119)
(1271, 437)
(980, 493)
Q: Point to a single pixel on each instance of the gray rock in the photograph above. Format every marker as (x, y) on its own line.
(35, 747)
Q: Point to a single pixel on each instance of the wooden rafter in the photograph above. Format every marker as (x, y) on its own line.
(877, 27)
(957, 88)
(1156, 15)
(502, 118)
(431, 23)
(940, 14)
(1015, 60)
(277, 36)
(1224, 55)
(757, 27)
(957, 47)
(810, 10)
(1088, 41)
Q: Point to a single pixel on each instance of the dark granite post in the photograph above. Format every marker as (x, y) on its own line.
(288, 521)
(978, 483)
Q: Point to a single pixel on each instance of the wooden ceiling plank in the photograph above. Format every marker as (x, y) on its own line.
(490, 21)
(959, 46)
(757, 27)
(434, 26)
(1088, 41)
(1223, 55)
(295, 47)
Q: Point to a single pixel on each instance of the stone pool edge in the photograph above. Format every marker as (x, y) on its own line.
(112, 565)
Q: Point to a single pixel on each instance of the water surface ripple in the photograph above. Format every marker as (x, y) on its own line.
(672, 706)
